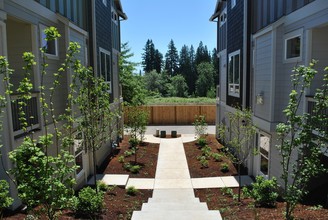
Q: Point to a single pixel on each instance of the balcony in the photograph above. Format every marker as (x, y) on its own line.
(310, 109)
(31, 111)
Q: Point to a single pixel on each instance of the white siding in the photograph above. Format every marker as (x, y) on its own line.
(263, 74)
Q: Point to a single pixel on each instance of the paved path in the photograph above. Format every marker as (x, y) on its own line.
(173, 196)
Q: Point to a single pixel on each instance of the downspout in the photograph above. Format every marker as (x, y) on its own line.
(94, 35)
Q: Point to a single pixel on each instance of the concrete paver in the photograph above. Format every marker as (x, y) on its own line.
(208, 182)
(141, 183)
(112, 179)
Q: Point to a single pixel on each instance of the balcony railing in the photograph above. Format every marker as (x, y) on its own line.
(310, 110)
(31, 114)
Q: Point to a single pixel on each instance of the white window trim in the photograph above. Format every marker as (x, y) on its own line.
(104, 2)
(77, 145)
(260, 154)
(223, 13)
(291, 35)
(115, 14)
(42, 27)
(234, 93)
(101, 50)
(233, 3)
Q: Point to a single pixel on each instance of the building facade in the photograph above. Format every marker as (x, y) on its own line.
(278, 35)
(95, 25)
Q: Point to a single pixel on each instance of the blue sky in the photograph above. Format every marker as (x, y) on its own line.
(184, 21)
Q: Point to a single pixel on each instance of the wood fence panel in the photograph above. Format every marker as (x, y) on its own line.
(210, 112)
(179, 114)
(186, 114)
(163, 115)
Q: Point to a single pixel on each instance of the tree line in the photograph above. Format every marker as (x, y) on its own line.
(181, 74)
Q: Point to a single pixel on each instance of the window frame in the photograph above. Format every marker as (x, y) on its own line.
(224, 15)
(55, 55)
(235, 92)
(114, 16)
(287, 38)
(104, 2)
(78, 152)
(107, 53)
(233, 3)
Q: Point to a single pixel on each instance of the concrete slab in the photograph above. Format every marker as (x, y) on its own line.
(173, 206)
(152, 139)
(171, 157)
(172, 164)
(208, 182)
(176, 215)
(141, 183)
(172, 184)
(182, 194)
(230, 181)
(172, 173)
(112, 179)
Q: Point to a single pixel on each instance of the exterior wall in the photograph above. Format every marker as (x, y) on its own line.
(263, 75)
(235, 41)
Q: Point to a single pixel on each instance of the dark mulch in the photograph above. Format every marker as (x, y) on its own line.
(231, 209)
(146, 157)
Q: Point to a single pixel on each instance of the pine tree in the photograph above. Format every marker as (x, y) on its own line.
(202, 54)
(148, 56)
(193, 74)
(158, 61)
(171, 59)
(185, 68)
(215, 62)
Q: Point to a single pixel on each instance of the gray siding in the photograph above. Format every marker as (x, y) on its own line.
(222, 37)
(223, 77)
(263, 74)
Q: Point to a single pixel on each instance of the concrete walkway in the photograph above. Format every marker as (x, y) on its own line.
(173, 196)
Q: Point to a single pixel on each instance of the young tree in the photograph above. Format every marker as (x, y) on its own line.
(298, 139)
(171, 59)
(136, 122)
(242, 133)
(178, 86)
(205, 79)
(50, 185)
(132, 87)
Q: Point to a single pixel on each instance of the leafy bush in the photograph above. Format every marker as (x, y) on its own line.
(89, 201)
(128, 153)
(227, 191)
(206, 151)
(264, 191)
(102, 186)
(224, 167)
(132, 191)
(5, 199)
(121, 159)
(135, 168)
(217, 157)
(127, 166)
(203, 161)
(201, 142)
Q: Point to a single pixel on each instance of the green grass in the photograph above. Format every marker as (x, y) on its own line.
(180, 101)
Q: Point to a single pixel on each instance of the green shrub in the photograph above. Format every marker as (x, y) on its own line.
(135, 169)
(132, 191)
(201, 142)
(206, 151)
(128, 153)
(203, 161)
(217, 157)
(5, 199)
(263, 191)
(121, 159)
(227, 191)
(102, 186)
(89, 202)
(127, 166)
(224, 167)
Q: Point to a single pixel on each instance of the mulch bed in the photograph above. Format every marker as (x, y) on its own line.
(146, 157)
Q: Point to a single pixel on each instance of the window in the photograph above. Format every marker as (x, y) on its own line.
(223, 17)
(78, 155)
(105, 66)
(293, 46)
(51, 47)
(234, 74)
(264, 154)
(114, 16)
(104, 2)
(233, 3)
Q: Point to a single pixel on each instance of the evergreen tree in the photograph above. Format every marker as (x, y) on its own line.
(148, 57)
(158, 61)
(215, 62)
(193, 73)
(205, 79)
(185, 68)
(171, 59)
(202, 54)
(133, 91)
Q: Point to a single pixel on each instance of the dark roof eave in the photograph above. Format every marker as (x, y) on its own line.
(120, 9)
(217, 10)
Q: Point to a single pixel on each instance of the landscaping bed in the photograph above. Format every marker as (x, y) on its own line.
(146, 157)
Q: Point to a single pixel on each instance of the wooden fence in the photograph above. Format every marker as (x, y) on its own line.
(179, 114)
